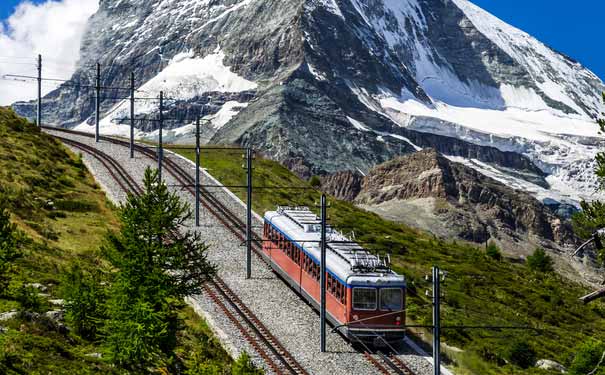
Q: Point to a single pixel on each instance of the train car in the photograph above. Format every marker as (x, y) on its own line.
(364, 297)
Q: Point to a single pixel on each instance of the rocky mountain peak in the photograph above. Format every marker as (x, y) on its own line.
(332, 85)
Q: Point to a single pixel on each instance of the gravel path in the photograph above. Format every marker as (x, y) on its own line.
(288, 317)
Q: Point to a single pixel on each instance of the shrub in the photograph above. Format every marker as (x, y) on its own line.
(521, 354)
(315, 181)
(540, 261)
(28, 299)
(9, 251)
(76, 206)
(493, 251)
(244, 366)
(588, 355)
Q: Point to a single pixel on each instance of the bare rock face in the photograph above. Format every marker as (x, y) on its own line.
(462, 202)
(344, 185)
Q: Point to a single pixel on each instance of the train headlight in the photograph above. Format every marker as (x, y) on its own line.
(355, 317)
(398, 321)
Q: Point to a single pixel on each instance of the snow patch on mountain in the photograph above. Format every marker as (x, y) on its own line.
(225, 114)
(185, 77)
(331, 6)
(358, 125)
(563, 146)
(539, 125)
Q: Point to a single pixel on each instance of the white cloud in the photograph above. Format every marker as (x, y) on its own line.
(53, 29)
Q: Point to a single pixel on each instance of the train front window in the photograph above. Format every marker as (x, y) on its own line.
(364, 298)
(391, 299)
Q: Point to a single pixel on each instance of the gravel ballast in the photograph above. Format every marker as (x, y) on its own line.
(283, 312)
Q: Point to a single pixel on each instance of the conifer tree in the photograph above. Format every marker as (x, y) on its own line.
(158, 264)
(592, 216)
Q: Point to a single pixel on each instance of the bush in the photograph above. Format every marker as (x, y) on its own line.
(9, 251)
(493, 251)
(244, 366)
(588, 355)
(315, 181)
(540, 261)
(521, 353)
(28, 299)
(76, 206)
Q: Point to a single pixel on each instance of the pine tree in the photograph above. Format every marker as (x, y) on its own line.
(539, 261)
(84, 300)
(592, 216)
(158, 265)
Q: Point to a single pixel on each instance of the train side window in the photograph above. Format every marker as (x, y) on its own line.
(364, 299)
(391, 299)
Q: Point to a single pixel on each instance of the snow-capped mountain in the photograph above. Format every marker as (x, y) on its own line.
(327, 85)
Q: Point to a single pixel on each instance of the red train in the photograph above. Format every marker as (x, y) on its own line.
(364, 296)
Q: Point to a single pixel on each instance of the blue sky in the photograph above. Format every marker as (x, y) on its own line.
(7, 7)
(571, 27)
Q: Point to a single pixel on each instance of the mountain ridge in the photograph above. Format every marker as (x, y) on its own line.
(347, 84)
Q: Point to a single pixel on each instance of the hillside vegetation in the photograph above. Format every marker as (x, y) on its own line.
(62, 218)
(481, 288)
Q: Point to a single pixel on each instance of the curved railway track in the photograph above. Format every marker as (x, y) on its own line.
(258, 336)
(254, 331)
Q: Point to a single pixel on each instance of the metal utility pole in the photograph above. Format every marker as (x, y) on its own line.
(436, 321)
(249, 214)
(197, 172)
(322, 311)
(39, 113)
(97, 102)
(160, 146)
(132, 115)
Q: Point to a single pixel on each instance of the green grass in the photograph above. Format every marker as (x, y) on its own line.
(64, 218)
(479, 291)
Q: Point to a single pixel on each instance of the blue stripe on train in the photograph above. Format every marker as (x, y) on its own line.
(316, 261)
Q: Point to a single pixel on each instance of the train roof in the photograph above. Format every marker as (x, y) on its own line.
(345, 258)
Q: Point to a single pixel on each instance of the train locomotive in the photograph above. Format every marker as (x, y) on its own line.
(365, 299)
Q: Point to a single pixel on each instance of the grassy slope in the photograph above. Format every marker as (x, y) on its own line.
(65, 216)
(478, 290)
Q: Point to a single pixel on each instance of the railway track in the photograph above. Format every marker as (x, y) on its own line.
(387, 364)
(254, 331)
(259, 337)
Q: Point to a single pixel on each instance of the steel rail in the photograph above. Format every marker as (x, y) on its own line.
(265, 336)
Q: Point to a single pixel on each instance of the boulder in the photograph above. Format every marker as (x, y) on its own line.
(547, 364)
